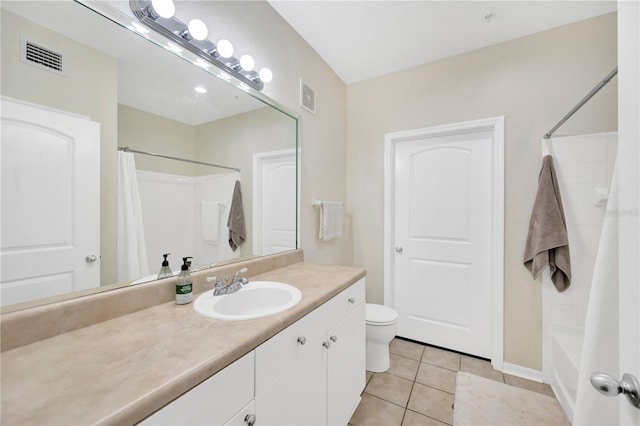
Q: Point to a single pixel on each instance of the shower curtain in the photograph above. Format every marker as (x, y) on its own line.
(132, 251)
(600, 345)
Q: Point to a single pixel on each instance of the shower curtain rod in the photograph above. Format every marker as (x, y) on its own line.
(584, 100)
(127, 149)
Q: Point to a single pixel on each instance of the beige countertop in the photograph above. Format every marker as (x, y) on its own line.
(122, 370)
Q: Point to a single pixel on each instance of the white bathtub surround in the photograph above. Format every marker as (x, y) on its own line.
(132, 250)
(210, 214)
(182, 202)
(585, 165)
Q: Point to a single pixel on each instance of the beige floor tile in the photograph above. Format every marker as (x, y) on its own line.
(480, 367)
(403, 367)
(374, 411)
(432, 402)
(390, 388)
(441, 358)
(406, 349)
(529, 385)
(411, 418)
(437, 377)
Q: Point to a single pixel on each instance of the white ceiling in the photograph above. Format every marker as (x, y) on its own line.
(365, 39)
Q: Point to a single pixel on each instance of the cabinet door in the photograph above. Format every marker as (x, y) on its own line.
(299, 395)
(346, 366)
(212, 402)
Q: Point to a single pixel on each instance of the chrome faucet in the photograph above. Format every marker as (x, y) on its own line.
(224, 287)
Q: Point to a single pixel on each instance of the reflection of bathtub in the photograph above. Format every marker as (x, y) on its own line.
(566, 349)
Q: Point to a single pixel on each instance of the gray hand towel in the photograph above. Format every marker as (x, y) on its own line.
(547, 242)
(235, 222)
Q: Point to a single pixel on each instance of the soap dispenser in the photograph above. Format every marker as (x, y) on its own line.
(165, 271)
(184, 286)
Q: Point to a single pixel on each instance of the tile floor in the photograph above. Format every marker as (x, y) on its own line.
(419, 387)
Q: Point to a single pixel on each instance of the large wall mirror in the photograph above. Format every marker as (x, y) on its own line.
(82, 214)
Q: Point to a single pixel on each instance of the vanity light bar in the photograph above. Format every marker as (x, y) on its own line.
(178, 32)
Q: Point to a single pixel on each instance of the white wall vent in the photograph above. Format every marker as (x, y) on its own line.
(307, 97)
(41, 57)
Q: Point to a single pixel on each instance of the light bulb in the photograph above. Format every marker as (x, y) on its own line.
(164, 8)
(266, 75)
(198, 29)
(247, 63)
(225, 48)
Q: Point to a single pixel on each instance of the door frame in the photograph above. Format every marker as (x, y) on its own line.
(496, 126)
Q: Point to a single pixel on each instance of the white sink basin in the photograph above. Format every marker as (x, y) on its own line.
(255, 300)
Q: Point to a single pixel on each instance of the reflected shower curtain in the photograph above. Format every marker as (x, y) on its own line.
(600, 346)
(132, 251)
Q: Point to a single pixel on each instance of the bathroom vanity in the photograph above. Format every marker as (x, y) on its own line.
(166, 364)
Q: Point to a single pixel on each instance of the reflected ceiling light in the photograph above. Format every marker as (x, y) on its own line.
(200, 89)
(158, 15)
(164, 8)
(173, 47)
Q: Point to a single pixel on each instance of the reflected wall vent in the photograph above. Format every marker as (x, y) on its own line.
(41, 57)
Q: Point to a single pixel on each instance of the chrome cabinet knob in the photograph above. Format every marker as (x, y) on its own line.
(302, 340)
(607, 385)
(250, 419)
(90, 258)
(333, 338)
(351, 300)
(326, 344)
(399, 250)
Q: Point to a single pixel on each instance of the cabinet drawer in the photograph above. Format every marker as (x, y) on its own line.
(277, 354)
(213, 401)
(345, 302)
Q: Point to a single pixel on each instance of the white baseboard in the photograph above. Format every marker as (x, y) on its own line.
(522, 372)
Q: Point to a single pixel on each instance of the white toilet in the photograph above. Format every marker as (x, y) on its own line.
(382, 323)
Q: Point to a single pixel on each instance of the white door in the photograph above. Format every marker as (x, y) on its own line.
(629, 204)
(274, 202)
(50, 202)
(443, 240)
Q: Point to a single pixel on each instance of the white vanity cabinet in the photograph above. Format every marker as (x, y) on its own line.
(313, 372)
(224, 398)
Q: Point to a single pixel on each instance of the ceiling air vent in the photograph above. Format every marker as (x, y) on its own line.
(42, 57)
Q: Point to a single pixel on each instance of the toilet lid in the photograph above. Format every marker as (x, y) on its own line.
(380, 314)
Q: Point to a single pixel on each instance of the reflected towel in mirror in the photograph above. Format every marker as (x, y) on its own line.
(211, 212)
(235, 222)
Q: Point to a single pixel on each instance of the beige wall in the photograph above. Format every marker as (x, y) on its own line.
(532, 81)
(255, 27)
(89, 88)
(152, 133)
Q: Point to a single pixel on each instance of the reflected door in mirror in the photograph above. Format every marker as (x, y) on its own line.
(50, 206)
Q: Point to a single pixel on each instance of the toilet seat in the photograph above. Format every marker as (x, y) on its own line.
(380, 315)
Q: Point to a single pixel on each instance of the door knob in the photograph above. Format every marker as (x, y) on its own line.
(90, 258)
(607, 385)
(399, 250)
